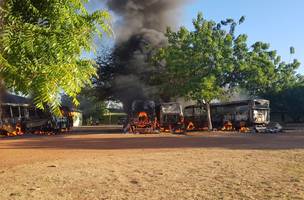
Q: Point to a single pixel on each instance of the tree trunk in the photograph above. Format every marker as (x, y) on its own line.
(209, 116)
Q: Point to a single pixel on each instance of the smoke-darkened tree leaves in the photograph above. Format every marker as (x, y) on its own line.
(127, 73)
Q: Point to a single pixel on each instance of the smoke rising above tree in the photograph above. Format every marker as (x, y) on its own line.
(125, 73)
(143, 16)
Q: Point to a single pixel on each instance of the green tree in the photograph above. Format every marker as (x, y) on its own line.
(209, 62)
(265, 72)
(288, 99)
(90, 106)
(41, 46)
(203, 64)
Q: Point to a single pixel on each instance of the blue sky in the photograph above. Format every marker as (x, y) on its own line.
(278, 22)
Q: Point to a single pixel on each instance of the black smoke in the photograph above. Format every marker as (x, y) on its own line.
(138, 16)
(125, 73)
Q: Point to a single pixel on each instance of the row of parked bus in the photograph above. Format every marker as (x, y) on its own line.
(244, 115)
(18, 116)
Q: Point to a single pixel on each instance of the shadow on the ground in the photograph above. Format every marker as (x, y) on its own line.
(97, 142)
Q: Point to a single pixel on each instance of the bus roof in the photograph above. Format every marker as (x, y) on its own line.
(246, 101)
(14, 100)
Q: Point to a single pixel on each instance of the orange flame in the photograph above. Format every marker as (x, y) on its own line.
(143, 115)
(228, 126)
(243, 128)
(190, 126)
(17, 131)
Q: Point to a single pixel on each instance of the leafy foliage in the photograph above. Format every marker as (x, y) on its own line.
(202, 64)
(266, 73)
(199, 64)
(41, 45)
(288, 101)
(90, 106)
(207, 63)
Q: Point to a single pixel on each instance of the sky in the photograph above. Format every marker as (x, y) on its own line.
(277, 22)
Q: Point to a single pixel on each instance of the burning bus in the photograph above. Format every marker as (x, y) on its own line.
(147, 117)
(19, 116)
(13, 111)
(171, 117)
(195, 118)
(235, 115)
(142, 118)
(241, 115)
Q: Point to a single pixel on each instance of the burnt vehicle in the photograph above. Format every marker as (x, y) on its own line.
(195, 118)
(43, 121)
(142, 118)
(171, 117)
(241, 115)
(19, 116)
(13, 111)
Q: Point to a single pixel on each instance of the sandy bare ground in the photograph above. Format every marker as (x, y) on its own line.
(90, 165)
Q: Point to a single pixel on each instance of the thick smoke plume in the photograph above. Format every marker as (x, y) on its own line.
(149, 16)
(140, 27)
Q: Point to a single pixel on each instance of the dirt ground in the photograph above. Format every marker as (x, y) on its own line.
(98, 163)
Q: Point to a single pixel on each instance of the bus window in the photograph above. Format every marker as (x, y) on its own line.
(23, 112)
(41, 113)
(188, 112)
(26, 112)
(6, 112)
(15, 111)
(32, 112)
(261, 103)
(199, 111)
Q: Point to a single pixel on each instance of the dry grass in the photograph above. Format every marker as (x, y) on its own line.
(169, 174)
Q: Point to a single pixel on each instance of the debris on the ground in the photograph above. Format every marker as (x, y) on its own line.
(274, 127)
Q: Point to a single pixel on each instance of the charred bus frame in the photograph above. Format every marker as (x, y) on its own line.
(142, 118)
(195, 117)
(253, 114)
(171, 117)
(18, 116)
(236, 115)
(12, 116)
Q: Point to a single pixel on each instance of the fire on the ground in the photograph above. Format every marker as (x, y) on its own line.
(243, 116)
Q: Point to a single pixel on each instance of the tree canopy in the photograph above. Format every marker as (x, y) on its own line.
(204, 64)
(41, 46)
(266, 73)
(201, 64)
(90, 105)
